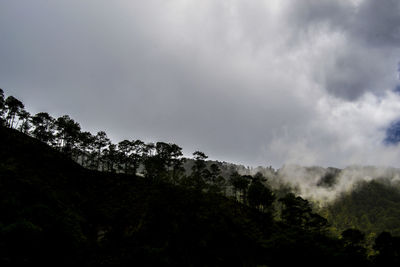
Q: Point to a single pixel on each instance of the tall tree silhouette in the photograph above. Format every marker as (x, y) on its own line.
(240, 185)
(176, 163)
(197, 178)
(215, 179)
(86, 145)
(43, 127)
(101, 142)
(125, 149)
(13, 106)
(234, 178)
(165, 163)
(259, 195)
(111, 157)
(24, 117)
(68, 133)
(170, 155)
(137, 151)
(298, 211)
(243, 184)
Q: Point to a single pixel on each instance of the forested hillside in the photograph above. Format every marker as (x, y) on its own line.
(100, 211)
(371, 207)
(55, 211)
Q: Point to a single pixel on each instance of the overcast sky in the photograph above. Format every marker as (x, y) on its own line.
(254, 82)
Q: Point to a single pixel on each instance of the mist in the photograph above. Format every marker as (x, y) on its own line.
(324, 185)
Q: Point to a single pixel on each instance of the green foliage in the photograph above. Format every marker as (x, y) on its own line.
(372, 207)
(259, 195)
(298, 211)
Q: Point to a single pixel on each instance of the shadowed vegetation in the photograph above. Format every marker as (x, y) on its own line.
(68, 197)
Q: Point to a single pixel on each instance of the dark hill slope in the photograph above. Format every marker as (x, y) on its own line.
(39, 199)
(53, 211)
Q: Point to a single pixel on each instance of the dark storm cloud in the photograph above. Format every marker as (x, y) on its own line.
(258, 82)
(371, 37)
(377, 23)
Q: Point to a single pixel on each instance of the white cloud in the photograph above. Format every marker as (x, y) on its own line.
(258, 82)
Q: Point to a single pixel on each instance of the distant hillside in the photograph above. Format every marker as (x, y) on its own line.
(362, 197)
(56, 212)
(372, 207)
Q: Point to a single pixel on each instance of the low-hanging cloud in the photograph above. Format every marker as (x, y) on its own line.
(308, 181)
(255, 82)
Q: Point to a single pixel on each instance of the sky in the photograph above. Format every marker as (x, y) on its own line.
(272, 82)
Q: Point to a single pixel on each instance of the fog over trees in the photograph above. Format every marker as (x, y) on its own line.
(263, 205)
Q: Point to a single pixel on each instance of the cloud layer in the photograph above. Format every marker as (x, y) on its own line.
(255, 82)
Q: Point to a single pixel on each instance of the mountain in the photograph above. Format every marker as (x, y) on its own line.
(53, 211)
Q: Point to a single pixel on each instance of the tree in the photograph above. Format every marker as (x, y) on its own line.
(166, 163)
(240, 185)
(176, 163)
(243, 186)
(13, 106)
(199, 173)
(170, 156)
(111, 157)
(124, 149)
(298, 212)
(101, 142)
(234, 181)
(68, 133)
(24, 117)
(215, 179)
(43, 125)
(86, 145)
(163, 153)
(138, 150)
(259, 196)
